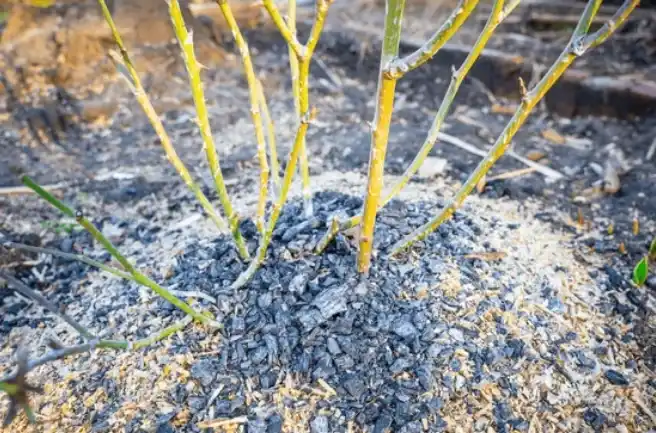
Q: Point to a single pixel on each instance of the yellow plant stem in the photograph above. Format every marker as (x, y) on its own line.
(496, 16)
(287, 34)
(304, 168)
(277, 207)
(304, 56)
(299, 62)
(271, 140)
(578, 45)
(186, 41)
(293, 58)
(380, 136)
(380, 132)
(156, 122)
(400, 67)
(256, 95)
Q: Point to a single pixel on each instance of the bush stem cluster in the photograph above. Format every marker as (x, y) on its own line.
(580, 42)
(392, 68)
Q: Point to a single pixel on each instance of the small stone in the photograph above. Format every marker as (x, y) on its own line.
(292, 232)
(354, 386)
(502, 411)
(310, 318)
(333, 346)
(257, 425)
(616, 378)
(264, 300)
(223, 407)
(361, 289)
(404, 329)
(204, 371)
(434, 404)
(651, 282)
(425, 378)
(165, 428)
(412, 427)
(432, 166)
(112, 232)
(400, 365)
(196, 403)
(298, 284)
(259, 354)
(268, 380)
(67, 245)
(519, 424)
(594, 418)
(515, 348)
(237, 325)
(331, 301)
(585, 361)
(344, 363)
(274, 424)
(383, 423)
(460, 382)
(319, 425)
(457, 334)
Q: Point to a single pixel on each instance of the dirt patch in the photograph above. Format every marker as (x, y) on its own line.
(617, 79)
(66, 46)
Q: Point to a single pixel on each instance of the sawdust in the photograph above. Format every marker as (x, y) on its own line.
(144, 381)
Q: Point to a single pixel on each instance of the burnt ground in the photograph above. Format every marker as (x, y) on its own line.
(120, 168)
(581, 148)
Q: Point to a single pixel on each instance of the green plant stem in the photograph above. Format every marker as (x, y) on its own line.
(142, 98)
(257, 261)
(164, 333)
(499, 12)
(9, 388)
(65, 352)
(186, 41)
(599, 37)
(78, 257)
(98, 236)
(577, 46)
(271, 140)
(380, 132)
(333, 229)
(399, 67)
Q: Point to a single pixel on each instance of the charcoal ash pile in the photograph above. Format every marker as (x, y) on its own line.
(421, 343)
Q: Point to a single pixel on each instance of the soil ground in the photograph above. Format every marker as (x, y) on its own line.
(116, 170)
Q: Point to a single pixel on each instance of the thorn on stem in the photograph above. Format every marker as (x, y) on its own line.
(309, 116)
(523, 92)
